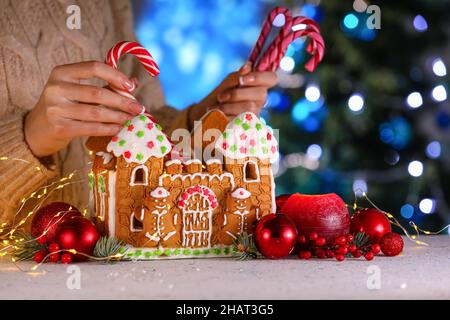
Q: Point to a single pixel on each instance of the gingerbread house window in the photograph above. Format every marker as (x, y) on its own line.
(251, 171)
(135, 224)
(139, 176)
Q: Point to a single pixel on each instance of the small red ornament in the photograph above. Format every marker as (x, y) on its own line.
(340, 257)
(47, 218)
(53, 247)
(66, 258)
(54, 257)
(276, 235)
(391, 244)
(304, 254)
(39, 256)
(369, 255)
(372, 222)
(376, 248)
(324, 214)
(42, 239)
(77, 233)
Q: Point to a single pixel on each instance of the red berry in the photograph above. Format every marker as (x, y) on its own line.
(303, 254)
(42, 239)
(313, 236)
(330, 253)
(340, 257)
(39, 256)
(352, 248)
(341, 240)
(53, 247)
(54, 257)
(369, 255)
(376, 248)
(342, 250)
(320, 253)
(66, 258)
(301, 239)
(349, 238)
(357, 254)
(320, 241)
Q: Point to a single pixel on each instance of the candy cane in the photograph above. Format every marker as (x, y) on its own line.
(267, 26)
(134, 48)
(276, 51)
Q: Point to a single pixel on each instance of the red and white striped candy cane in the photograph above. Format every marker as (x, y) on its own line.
(134, 48)
(270, 61)
(265, 30)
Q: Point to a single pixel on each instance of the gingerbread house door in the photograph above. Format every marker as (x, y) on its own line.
(197, 205)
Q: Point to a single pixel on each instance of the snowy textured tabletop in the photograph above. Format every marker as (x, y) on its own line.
(420, 272)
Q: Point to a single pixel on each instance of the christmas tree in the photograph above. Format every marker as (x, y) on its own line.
(374, 117)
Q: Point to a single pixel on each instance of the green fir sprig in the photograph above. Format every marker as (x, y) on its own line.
(245, 248)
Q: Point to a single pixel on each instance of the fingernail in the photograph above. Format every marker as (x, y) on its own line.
(127, 84)
(246, 79)
(224, 96)
(136, 108)
(245, 66)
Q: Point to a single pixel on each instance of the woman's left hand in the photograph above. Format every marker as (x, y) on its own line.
(241, 91)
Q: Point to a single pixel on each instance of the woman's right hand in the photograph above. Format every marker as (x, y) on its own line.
(67, 109)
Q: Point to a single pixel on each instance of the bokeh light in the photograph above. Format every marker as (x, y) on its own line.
(415, 168)
(314, 152)
(414, 100)
(351, 21)
(360, 186)
(356, 102)
(407, 211)
(439, 93)
(287, 64)
(420, 24)
(433, 150)
(439, 68)
(312, 93)
(427, 205)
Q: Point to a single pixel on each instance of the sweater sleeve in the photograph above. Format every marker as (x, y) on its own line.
(21, 173)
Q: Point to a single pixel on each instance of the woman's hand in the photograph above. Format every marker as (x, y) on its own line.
(241, 91)
(67, 109)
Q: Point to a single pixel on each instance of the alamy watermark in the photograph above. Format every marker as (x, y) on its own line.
(73, 21)
(374, 19)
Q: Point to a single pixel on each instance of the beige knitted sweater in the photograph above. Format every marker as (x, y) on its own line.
(34, 38)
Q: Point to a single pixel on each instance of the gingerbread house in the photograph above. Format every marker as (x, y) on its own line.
(162, 206)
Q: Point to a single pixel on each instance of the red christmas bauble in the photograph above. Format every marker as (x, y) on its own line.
(372, 222)
(47, 218)
(77, 233)
(325, 215)
(280, 201)
(66, 258)
(275, 236)
(391, 244)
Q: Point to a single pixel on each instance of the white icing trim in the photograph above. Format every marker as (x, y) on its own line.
(213, 160)
(107, 157)
(241, 193)
(230, 234)
(202, 175)
(160, 192)
(171, 162)
(132, 228)
(112, 203)
(175, 219)
(191, 161)
(170, 234)
(244, 168)
(153, 237)
(145, 176)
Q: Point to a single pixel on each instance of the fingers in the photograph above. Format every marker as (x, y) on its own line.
(92, 69)
(234, 109)
(74, 128)
(102, 96)
(94, 113)
(263, 79)
(256, 94)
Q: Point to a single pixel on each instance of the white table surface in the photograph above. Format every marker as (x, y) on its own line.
(420, 272)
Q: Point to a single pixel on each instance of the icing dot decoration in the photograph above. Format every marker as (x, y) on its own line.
(205, 191)
(140, 139)
(247, 136)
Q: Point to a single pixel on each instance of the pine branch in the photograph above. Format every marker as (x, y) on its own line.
(108, 247)
(245, 247)
(27, 247)
(360, 239)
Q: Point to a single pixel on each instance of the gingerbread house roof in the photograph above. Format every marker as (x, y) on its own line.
(140, 139)
(246, 136)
